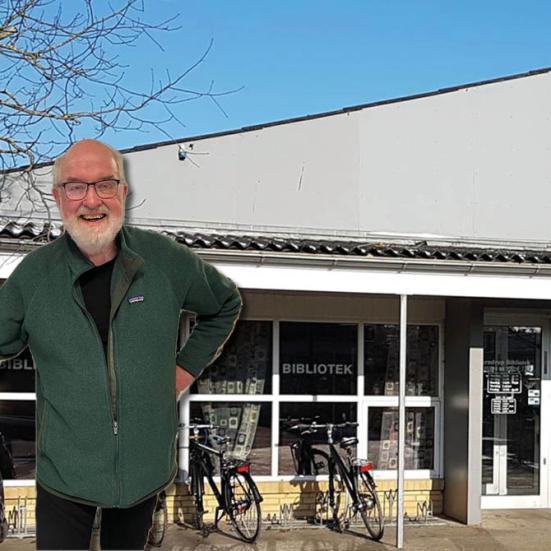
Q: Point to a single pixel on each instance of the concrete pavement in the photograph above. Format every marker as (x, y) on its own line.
(518, 530)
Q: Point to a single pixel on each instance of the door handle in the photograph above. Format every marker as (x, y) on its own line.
(545, 363)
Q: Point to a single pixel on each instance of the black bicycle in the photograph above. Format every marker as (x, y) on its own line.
(237, 497)
(352, 489)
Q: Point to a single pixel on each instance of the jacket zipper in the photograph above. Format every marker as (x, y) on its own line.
(111, 383)
(110, 362)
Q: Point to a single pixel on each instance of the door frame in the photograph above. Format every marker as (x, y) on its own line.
(540, 319)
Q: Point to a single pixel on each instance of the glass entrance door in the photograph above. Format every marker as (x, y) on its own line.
(512, 394)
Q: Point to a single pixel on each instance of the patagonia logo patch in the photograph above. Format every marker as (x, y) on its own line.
(137, 298)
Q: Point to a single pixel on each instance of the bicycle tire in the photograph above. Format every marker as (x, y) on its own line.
(338, 496)
(199, 513)
(341, 504)
(159, 525)
(371, 510)
(242, 507)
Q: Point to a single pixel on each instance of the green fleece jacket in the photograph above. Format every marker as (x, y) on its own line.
(106, 427)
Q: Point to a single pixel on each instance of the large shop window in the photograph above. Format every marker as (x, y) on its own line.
(247, 425)
(17, 374)
(382, 356)
(322, 412)
(383, 438)
(245, 365)
(318, 358)
(17, 428)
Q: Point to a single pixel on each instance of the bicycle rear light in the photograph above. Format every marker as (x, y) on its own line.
(244, 468)
(366, 467)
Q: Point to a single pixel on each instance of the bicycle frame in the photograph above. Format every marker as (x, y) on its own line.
(336, 464)
(356, 482)
(348, 475)
(201, 468)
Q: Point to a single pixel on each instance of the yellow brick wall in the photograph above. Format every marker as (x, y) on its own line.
(298, 499)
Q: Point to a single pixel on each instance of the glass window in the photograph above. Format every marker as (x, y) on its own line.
(245, 365)
(383, 438)
(17, 427)
(248, 426)
(382, 357)
(290, 413)
(318, 358)
(512, 415)
(17, 374)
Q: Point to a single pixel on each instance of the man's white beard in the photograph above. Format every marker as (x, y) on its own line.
(90, 240)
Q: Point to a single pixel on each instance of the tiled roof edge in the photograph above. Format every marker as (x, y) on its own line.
(43, 233)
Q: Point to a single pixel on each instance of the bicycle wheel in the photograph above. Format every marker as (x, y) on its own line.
(341, 504)
(242, 507)
(371, 511)
(197, 489)
(160, 522)
(199, 513)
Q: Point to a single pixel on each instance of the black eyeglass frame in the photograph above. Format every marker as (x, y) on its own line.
(93, 184)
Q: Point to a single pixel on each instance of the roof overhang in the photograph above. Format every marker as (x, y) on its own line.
(399, 278)
(326, 273)
(292, 278)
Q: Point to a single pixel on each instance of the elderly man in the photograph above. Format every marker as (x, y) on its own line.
(99, 308)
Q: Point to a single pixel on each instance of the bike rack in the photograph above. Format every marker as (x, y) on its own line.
(18, 525)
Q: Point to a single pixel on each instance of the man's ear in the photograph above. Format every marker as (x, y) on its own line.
(55, 193)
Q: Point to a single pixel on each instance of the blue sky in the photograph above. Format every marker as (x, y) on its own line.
(294, 58)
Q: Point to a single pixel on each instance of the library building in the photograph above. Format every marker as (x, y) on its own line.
(422, 218)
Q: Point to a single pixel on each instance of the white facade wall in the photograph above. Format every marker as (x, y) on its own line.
(474, 163)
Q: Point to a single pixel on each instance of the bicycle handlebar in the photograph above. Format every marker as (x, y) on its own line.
(314, 427)
(198, 426)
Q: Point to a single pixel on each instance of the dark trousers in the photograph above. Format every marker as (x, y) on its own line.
(65, 524)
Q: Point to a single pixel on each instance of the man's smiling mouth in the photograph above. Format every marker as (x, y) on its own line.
(92, 217)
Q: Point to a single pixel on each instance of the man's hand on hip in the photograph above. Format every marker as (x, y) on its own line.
(183, 380)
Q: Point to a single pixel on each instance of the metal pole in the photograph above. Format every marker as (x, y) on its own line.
(402, 421)
(184, 413)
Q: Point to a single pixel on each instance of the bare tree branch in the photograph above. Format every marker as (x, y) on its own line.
(61, 71)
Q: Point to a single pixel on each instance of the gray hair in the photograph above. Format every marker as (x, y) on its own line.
(116, 155)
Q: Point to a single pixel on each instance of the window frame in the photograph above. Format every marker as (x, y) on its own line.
(363, 403)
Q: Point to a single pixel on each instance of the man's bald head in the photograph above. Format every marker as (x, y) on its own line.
(84, 147)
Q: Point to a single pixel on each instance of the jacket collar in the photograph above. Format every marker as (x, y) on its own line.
(129, 261)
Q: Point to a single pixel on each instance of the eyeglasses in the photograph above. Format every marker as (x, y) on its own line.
(105, 189)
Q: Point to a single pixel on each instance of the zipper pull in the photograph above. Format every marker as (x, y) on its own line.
(115, 428)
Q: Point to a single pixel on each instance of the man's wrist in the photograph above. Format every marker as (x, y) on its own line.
(184, 380)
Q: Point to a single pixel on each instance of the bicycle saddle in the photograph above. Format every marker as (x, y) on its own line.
(348, 442)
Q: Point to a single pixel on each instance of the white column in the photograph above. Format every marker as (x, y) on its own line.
(402, 422)
(275, 399)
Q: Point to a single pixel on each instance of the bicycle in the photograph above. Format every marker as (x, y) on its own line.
(237, 496)
(307, 460)
(159, 523)
(351, 484)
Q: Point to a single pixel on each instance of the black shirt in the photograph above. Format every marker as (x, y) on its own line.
(96, 290)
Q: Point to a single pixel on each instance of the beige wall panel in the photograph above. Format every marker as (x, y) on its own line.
(337, 307)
